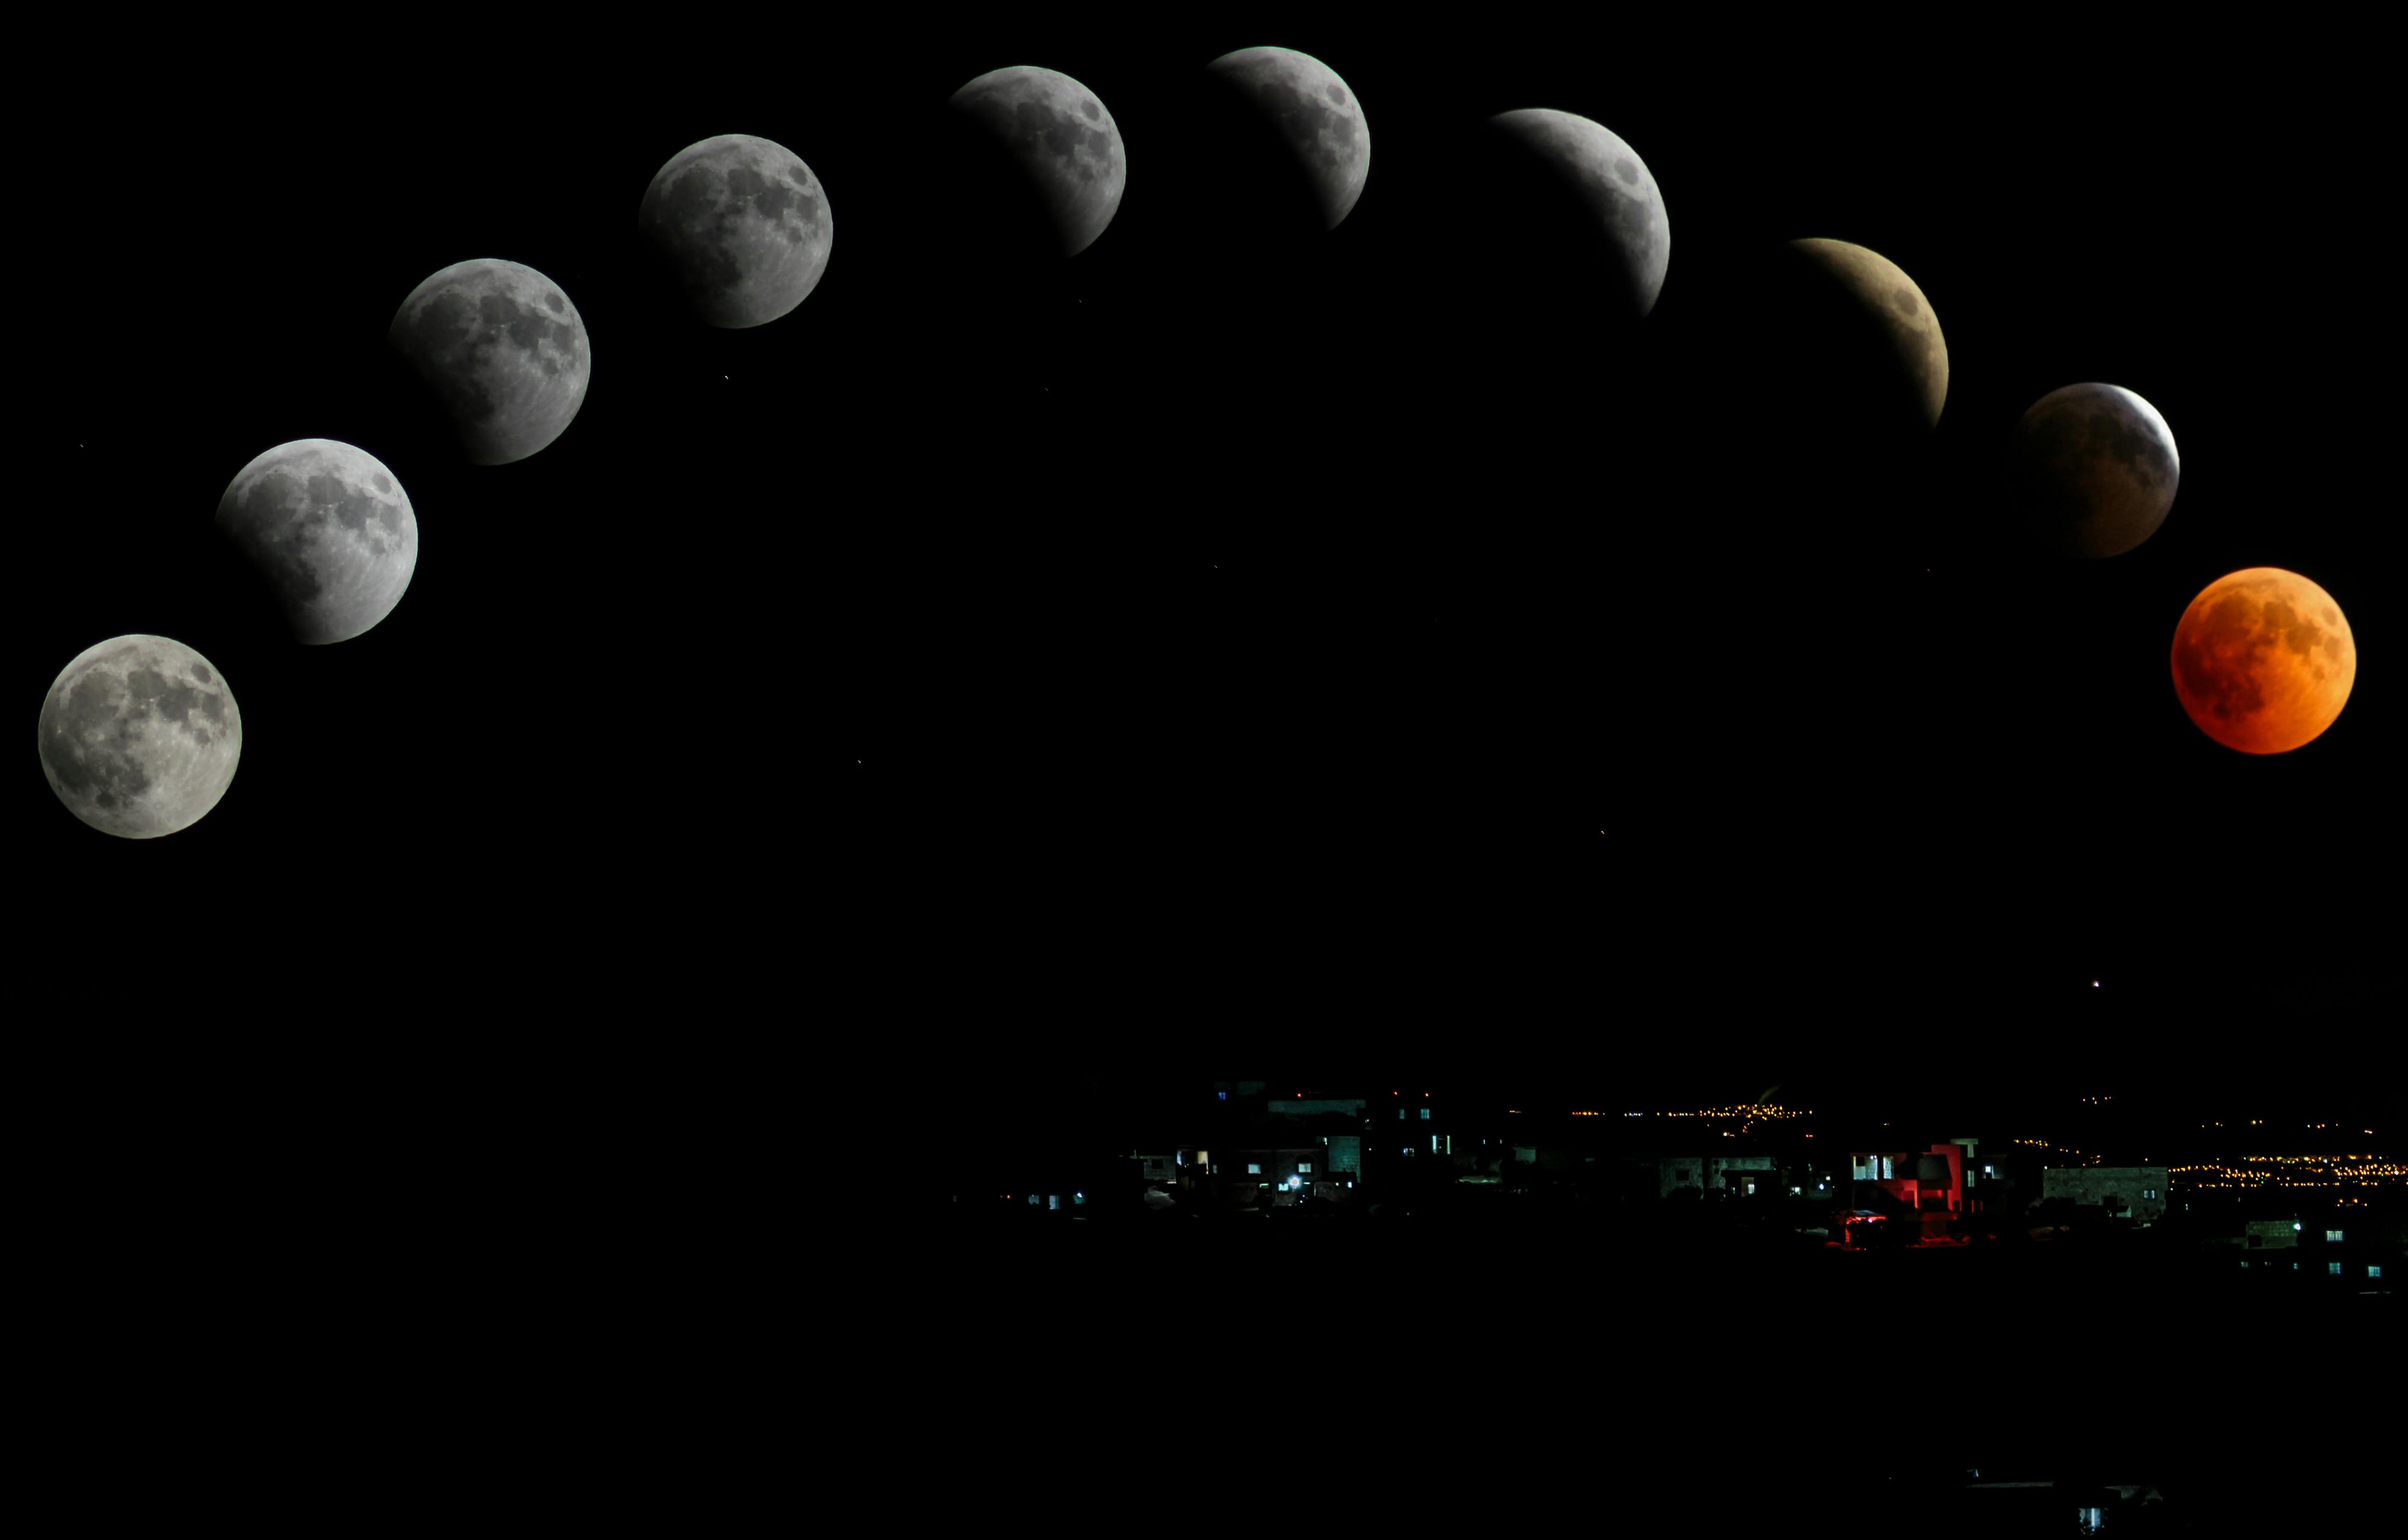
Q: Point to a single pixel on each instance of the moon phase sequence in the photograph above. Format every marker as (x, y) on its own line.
(140, 736)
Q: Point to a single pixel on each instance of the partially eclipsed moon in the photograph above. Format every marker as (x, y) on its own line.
(1317, 118)
(2095, 469)
(501, 349)
(329, 529)
(140, 737)
(743, 224)
(2263, 661)
(1893, 307)
(1062, 140)
(1591, 164)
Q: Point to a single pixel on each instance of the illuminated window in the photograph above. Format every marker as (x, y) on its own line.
(2150, 1193)
(1400, 1115)
(1224, 1094)
(2333, 1268)
(1254, 1168)
(1304, 1167)
(1425, 1115)
(2332, 1237)
(2375, 1270)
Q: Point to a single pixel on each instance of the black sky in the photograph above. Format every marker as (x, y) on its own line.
(1189, 644)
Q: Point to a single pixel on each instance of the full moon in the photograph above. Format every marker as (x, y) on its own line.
(502, 351)
(1060, 138)
(743, 225)
(1319, 121)
(329, 529)
(2094, 469)
(140, 737)
(2263, 661)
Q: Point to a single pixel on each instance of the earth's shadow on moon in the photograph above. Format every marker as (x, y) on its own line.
(1229, 182)
(1827, 450)
(993, 225)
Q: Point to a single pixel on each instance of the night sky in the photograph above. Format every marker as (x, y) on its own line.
(1307, 650)
(998, 698)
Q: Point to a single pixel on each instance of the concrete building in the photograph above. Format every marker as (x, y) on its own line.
(2137, 1193)
(1928, 1185)
(1264, 1173)
(2270, 1234)
(1737, 1175)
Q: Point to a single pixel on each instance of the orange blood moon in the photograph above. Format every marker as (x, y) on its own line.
(2263, 661)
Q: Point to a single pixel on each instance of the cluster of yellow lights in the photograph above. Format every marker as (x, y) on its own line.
(2062, 1155)
(1744, 1113)
(2292, 1171)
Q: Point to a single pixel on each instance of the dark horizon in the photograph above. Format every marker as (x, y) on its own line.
(1836, 1097)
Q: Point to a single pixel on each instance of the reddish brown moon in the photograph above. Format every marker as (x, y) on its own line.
(2263, 661)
